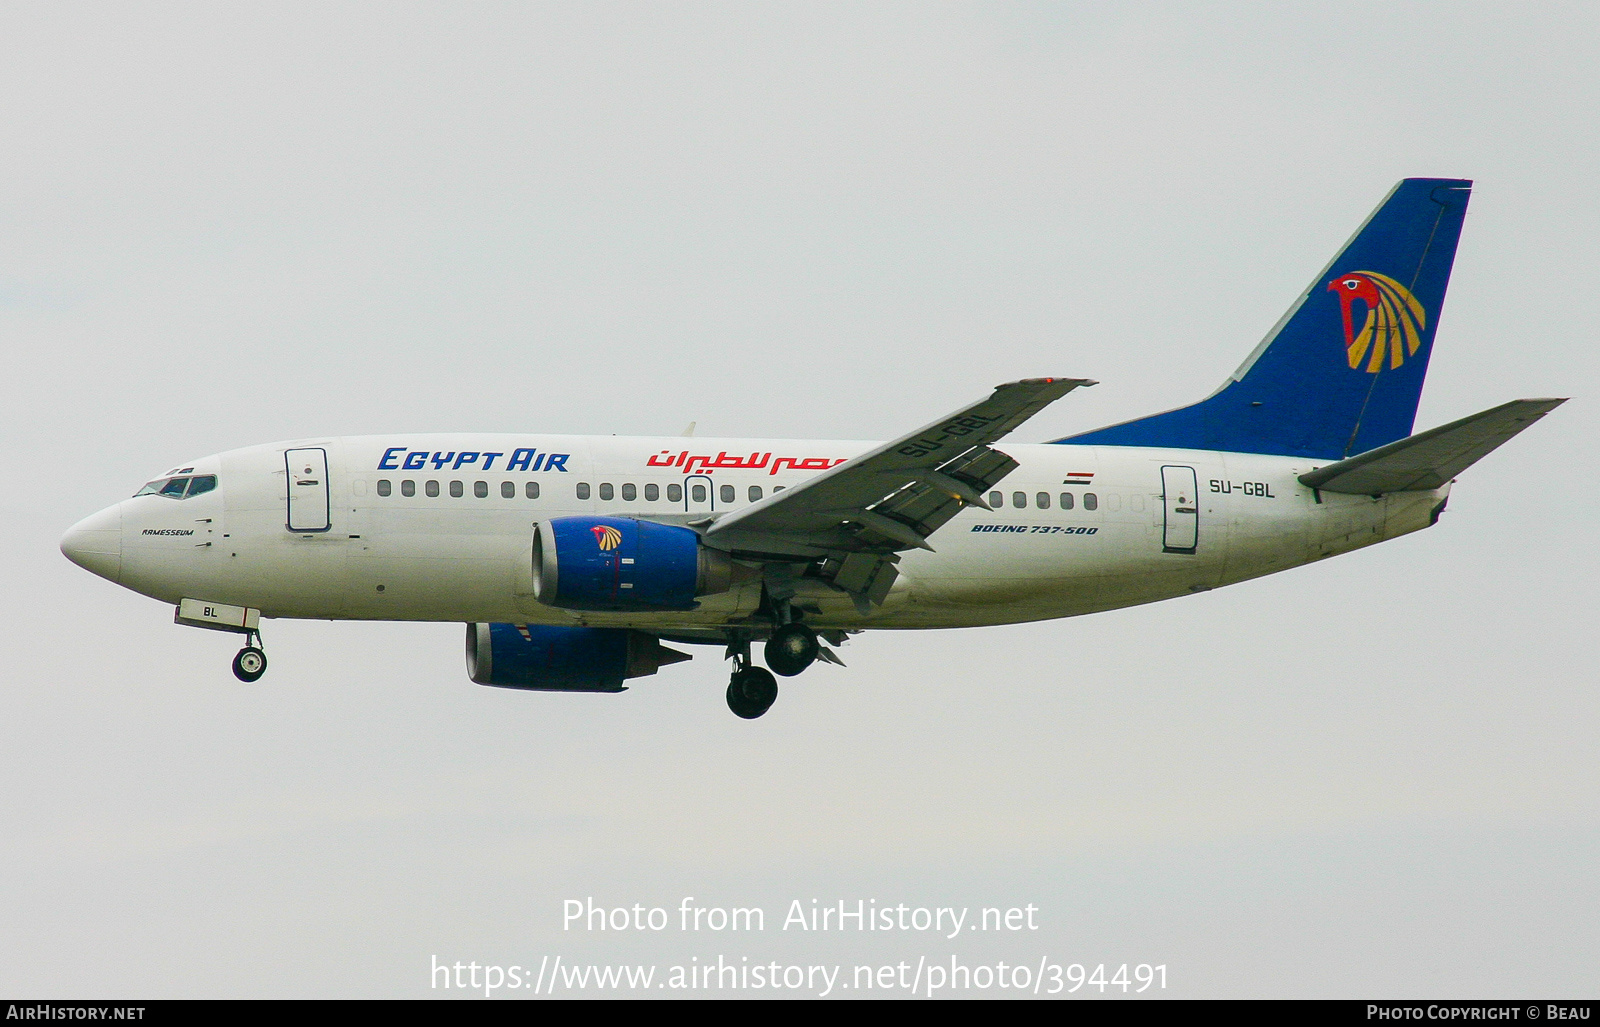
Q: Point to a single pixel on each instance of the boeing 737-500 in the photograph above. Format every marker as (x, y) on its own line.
(576, 562)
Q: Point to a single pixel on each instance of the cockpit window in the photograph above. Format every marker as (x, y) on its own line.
(179, 488)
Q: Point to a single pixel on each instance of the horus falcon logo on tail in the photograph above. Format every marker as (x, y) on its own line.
(1395, 319)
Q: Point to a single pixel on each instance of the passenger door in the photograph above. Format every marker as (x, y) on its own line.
(1181, 502)
(309, 507)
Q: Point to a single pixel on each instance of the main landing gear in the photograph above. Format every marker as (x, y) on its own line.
(751, 692)
(251, 662)
(789, 650)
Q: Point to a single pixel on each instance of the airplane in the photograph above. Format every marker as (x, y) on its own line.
(576, 562)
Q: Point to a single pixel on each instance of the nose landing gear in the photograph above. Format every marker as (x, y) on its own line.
(251, 661)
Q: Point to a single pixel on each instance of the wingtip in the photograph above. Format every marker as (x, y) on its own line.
(1077, 383)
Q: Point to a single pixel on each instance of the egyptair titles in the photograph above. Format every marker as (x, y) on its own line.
(697, 464)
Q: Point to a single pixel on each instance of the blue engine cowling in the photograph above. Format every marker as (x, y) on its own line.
(561, 659)
(619, 563)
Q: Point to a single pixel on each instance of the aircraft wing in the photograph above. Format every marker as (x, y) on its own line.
(864, 511)
(1428, 459)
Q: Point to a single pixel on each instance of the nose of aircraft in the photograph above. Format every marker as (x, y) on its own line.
(95, 543)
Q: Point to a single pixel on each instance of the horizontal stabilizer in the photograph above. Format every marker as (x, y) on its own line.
(1429, 459)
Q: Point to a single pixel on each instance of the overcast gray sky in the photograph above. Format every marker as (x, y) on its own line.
(229, 224)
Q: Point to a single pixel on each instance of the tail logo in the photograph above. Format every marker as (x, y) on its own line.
(1394, 325)
(606, 537)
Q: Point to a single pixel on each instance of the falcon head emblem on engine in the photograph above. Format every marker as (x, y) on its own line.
(606, 537)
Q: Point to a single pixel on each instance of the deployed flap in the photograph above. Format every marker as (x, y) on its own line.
(1429, 459)
(893, 497)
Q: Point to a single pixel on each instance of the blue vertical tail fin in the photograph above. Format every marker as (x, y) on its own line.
(1341, 373)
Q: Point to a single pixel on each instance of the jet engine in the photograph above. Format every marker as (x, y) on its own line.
(562, 659)
(619, 563)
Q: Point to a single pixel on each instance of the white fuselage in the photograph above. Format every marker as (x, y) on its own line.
(455, 543)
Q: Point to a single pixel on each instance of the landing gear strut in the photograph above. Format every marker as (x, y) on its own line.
(751, 690)
(251, 662)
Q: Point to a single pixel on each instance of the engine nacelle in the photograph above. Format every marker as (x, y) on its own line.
(619, 563)
(560, 659)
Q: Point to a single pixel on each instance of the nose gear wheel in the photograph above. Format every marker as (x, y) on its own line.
(249, 664)
(251, 661)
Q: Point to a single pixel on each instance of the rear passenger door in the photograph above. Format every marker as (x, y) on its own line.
(1181, 502)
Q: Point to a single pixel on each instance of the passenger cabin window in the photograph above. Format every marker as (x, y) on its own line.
(698, 492)
(408, 488)
(456, 491)
(1091, 501)
(727, 493)
(480, 489)
(583, 490)
(384, 488)
(531, 490)
(431, 487)
(1066, 501)
(1043, 499)
(755, 493)
(607, 493)
(652, 493)
(1019, 500)
(630, 493)
(508, 490)
(674, 493)
(997, 500)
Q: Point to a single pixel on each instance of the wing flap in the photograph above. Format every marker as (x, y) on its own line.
(852, 521)
(893, 497)
(1429, 459)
